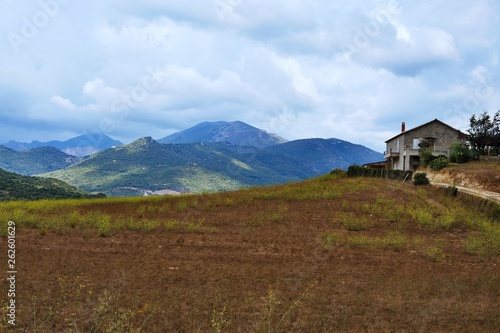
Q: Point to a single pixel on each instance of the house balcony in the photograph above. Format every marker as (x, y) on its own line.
(436, 151)
(391, 154)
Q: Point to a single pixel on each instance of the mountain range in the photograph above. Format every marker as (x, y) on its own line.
(207, 157)
(146, 166)
(236, 132)
(82, 145)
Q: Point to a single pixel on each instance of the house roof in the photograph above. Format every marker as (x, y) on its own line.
(428, 123)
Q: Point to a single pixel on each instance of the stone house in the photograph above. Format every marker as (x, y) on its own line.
(402, 150)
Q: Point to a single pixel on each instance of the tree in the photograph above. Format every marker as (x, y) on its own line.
(460, 153)
(484, 132)
(495, 140)
(425, 153)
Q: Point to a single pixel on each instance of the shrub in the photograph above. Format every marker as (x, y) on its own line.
(359, 171)
(459, 153)
(420, 179)
(438, 163)
(425, 153)
(474, 155)
(355, 170)
(338, 172)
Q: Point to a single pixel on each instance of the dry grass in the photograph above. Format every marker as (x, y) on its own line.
(276, 259)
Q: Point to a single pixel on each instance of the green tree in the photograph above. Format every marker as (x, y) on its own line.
(484, 132)
(460, 153)
(495, 140)
(425, 153)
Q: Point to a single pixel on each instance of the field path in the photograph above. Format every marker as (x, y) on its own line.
(489, 195)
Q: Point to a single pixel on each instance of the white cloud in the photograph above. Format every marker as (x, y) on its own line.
(63, 103)
(347, 69)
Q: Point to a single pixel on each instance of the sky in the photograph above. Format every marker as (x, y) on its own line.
(347, 69)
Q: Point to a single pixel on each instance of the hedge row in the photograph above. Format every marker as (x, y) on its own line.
(359, 171)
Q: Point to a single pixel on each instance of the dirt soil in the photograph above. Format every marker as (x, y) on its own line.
(482, 175)
(481, 179)
(250, 275)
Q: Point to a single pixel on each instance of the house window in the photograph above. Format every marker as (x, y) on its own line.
(397, 146)
(416, 142)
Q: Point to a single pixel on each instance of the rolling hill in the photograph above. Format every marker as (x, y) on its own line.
(82, 145)
(236, 133)
(323, 155)
(330, 254)
(35, 161)
(17, 187)
(146, 165)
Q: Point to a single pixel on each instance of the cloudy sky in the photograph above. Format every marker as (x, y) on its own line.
(348, 69)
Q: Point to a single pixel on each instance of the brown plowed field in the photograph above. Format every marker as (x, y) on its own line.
(258, 263)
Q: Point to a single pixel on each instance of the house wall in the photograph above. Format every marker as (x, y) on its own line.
(404, 144)
(443, 134)
(393, 144)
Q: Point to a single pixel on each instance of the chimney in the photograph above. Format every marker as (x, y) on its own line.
(403, 127)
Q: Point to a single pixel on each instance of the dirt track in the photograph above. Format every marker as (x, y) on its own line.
(489, 195)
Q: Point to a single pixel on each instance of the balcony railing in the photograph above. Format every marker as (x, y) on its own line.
(436, 150)
(390, 153)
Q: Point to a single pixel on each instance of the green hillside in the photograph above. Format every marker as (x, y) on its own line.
(18, 187)
(146, 165)
(35, 161)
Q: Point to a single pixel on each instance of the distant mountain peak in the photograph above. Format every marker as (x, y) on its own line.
(81, 145)
(235, 132)
(144, 142)
(147, 140)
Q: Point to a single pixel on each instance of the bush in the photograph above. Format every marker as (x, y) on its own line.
(474, 155)
(425, 153)
(460, 153)
(420, 179)
(338, 172)
(438, 163)
(359, 171)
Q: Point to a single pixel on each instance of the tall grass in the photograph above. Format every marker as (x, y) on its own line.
(404, 207)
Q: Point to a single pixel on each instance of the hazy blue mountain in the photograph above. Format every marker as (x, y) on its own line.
(17, 187)
(35, 161)
(82, 145)
(324, 155)
(146, 165)
(236, 133)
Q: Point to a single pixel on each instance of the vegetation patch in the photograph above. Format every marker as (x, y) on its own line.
(354, 223)
(420, 178)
